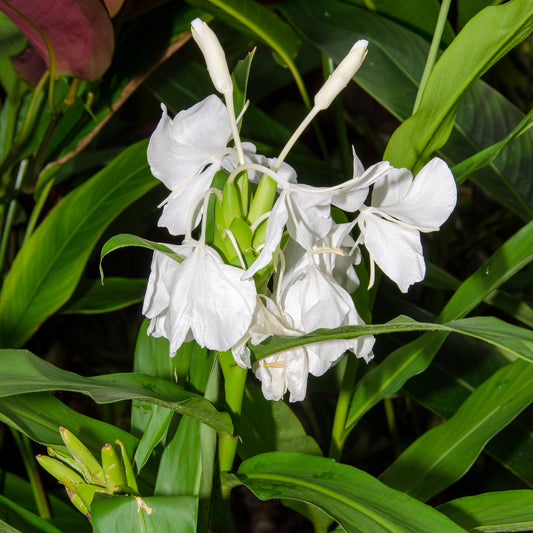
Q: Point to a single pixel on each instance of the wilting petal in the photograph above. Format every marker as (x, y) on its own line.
(80, 33)
(397, 250)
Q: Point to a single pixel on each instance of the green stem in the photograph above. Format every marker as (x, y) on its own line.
(234, 382)
(24, 446)
(338, 435)
(391, 423)
(11, 212)
(38, 208)
(339, 122)
(433, 51)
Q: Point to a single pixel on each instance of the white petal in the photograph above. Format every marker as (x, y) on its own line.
(309, 214)
(391, 187)
(210, 298)
(430, 199)
(397, 250)
(176, 211)
(182, 147)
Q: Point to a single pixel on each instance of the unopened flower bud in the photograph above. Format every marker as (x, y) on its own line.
(340, 77)
(214, 56)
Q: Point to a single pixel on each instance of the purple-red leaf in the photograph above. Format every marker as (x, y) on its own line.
(79, 31)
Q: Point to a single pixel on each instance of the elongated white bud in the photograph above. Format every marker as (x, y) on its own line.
(214, 56)
(340, 77)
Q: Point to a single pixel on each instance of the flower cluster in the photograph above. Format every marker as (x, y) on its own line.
(274, 261)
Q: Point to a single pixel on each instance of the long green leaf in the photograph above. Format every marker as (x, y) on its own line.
(91, 297)
(415, 357)
(267, 426)
(144, 515)
(64, 516)
(487, 156)
(487, 37)
(516, 340)
(125, 239)
(49, 265)
(356, 500)
(442, 455)
(26, 372)
(39, 415)
(461, 366)
(510, 510)
(14, 518)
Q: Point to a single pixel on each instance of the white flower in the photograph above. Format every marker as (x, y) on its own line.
(311, 300)
(186, 152)
(200, 298)
(401, 208)
(331, 254)
(306, 210)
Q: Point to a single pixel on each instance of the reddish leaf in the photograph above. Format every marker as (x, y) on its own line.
(80, 33)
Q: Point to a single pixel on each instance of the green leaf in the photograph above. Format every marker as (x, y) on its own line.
(448, 382)
(64, 516)
(487, 156)
(356, 500)
(50, 263)
(268, 426)
(12, 41)
(180, 468)
(514, 339)
(91, 297)
(144, 515)
(14, 516)
(390, 74)
(510, 510)
(125, 239)
(413, 358)
(443, 454)
(153, 434)
(419, 15)
(29, 373)
(240, 76)
(39, 416)
(152, 358)
(487, 37)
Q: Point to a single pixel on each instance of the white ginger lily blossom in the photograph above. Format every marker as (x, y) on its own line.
(201, 298)
(400, 209)
(311, 300)
(185, 153)
(306, 210)
(331, 254)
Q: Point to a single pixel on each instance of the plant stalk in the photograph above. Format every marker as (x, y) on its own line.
(341, 411)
